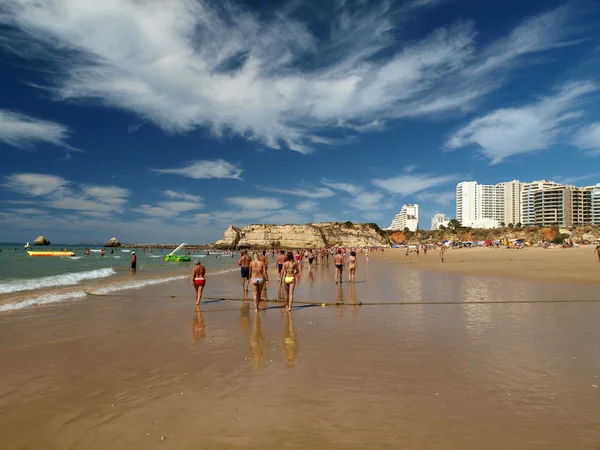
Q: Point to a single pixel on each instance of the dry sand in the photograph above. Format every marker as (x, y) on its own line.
(125, 370)
(557, 264)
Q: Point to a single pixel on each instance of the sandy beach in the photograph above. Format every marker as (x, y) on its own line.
(578, 264)
(508, 362)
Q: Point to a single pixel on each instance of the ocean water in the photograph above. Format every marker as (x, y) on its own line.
(27, 281)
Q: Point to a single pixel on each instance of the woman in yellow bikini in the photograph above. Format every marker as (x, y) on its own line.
(352, 266)
(290, 270)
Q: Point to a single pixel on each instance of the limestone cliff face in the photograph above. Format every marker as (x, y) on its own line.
(317, 235)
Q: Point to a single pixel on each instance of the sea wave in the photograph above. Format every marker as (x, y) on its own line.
(42, 300)
(53, 281)
(106, 289)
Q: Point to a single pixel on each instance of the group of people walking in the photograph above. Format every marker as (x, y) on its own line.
(254, 271)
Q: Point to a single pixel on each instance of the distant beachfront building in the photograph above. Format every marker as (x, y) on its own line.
(408, 217)
(481, 223)
(497, 202)
(547, 203)
(438, 220)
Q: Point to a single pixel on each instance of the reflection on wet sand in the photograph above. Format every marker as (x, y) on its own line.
(258, 345)
(198, 329)
(245, 316)
(339, 300)
(289, 341)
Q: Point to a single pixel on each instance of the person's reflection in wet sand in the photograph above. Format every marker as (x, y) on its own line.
(198, 331)
(245, 317)
(311, 276)
(258, 345)
(352, 298)
(339, 300)
(289, 342)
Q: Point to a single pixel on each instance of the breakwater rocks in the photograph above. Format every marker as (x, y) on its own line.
(314, 235)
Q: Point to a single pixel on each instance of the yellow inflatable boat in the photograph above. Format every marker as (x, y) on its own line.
(33, 253)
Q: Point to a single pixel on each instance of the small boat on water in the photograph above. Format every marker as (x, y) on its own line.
(172, 257)
(35, 253)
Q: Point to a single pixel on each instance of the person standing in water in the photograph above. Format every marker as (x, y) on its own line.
(289, 272)
(198, 279)
(259, 278)
(338, 260)
(244, 264)
(133, 262)
(280, 260)
(352, 267)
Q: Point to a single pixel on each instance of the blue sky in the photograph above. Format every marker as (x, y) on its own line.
(169, 120)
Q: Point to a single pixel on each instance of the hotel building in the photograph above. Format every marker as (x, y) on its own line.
(438, 220)
(408, 217)
(488, 205)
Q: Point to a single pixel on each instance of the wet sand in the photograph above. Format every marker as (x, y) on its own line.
(122, 371)
(557, 264)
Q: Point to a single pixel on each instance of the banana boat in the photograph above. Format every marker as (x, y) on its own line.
(34, 253)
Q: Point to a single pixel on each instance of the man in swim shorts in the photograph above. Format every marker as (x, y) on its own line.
(198, 279)
(244, 264)
(280, 260)
(133, 262)
(338, 260)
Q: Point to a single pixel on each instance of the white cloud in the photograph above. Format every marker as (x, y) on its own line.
(346, 187)
(306, 205)
(254, 203)
(58, 192)
(206, 169)
(182, 196)
(512, 131)
(185, 64)
(20, 130)
(34, 184)
(366, 201)
(410, 183)
(588, 138)
(303, 192)
(441, 198)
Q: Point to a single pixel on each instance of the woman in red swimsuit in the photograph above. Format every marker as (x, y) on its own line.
(198, 280)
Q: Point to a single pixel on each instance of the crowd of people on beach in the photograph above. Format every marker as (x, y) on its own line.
(254, 269)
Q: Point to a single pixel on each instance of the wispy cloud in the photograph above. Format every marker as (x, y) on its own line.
(303, 192)
(512, 131)
(20, 130)
(182, 196)
(254, 203)
(441, 198)
(411, 183)
(205, 169)
(306, 205)
(234, 71)
(588, 138)
(345, 187)
(575, 179)
(34, 184)
(58, 192)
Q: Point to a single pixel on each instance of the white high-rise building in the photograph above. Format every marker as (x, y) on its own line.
(467, 202)
(488, 204)
(408, 217)
(438, 220)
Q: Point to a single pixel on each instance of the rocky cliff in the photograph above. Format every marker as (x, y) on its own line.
(316, 235)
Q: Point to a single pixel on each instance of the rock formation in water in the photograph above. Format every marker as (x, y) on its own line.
(113, 242)
(41, 240)
(315, 235)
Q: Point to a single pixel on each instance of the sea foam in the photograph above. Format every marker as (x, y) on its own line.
(53, 281)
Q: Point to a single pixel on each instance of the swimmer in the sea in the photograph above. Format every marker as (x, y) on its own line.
(259, 278)
(198, 279)
(289, 272)
(352, 267)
